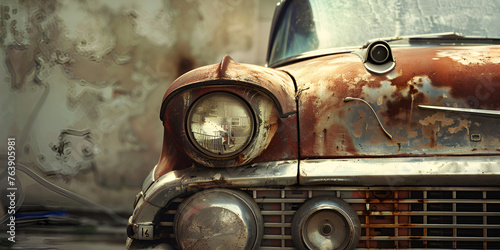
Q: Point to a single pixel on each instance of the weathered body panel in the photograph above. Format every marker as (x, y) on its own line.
(463, 77)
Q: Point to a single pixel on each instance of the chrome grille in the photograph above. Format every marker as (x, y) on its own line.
(403, 217)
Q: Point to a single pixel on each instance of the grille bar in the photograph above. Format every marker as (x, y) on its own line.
(435, 238)
(392, 213)
(409, 201)
(479, 226)
(277, 237)
(427, 213)
(277, 212)
(277, 224)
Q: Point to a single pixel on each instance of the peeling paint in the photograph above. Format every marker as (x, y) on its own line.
(471, 56)
(437, 117)
(464, 124)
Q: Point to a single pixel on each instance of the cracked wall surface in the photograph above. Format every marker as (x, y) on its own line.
(82, 82)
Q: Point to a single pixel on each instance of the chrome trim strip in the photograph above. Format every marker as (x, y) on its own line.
(486, 112)
(433, 171)
(178, 182)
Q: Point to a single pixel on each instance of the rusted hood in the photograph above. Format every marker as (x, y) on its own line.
(457, 77)
(275, 83)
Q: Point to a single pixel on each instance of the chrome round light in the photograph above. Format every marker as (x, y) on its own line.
(220, 124)
(218, 219)
(379, 53)
(326, 222)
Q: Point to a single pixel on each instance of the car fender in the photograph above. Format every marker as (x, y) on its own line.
(278, 85)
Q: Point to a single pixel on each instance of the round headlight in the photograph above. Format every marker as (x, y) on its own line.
(220, 124)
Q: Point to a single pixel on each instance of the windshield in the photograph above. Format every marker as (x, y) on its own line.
(305, 26)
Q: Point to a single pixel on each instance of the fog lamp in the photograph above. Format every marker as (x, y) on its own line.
(326, 222)
(218, 219)
(220, 124)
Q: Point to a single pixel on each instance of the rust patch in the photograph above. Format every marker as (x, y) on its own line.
(402, 103)
(433, 142)
(366, 212)
(474, 78)
(415, 238)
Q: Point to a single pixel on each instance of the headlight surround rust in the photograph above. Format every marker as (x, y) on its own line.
(220, 124)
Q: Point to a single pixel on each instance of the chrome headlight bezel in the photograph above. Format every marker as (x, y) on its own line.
(242, 104)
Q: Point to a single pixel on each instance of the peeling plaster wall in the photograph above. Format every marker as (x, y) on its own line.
(82, 82)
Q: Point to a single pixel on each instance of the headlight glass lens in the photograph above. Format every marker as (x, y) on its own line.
(220, 124)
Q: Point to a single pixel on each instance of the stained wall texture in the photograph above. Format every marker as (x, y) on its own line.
(82, 82)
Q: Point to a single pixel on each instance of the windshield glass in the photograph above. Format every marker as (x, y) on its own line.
(314, 25)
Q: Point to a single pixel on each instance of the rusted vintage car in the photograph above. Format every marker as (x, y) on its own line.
(345, 140)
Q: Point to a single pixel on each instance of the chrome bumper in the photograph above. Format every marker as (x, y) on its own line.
(411, 171)
(142, 224)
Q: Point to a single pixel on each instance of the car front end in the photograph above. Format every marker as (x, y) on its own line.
(363, 134)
